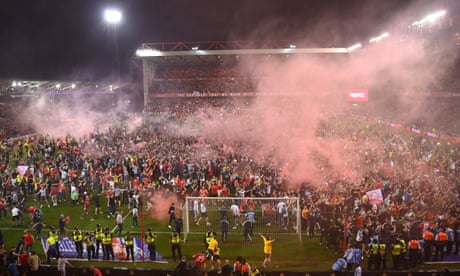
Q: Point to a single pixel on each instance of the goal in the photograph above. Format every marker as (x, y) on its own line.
(238, 219)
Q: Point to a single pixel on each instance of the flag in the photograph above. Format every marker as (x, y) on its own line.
(22, 170)
(375, 196)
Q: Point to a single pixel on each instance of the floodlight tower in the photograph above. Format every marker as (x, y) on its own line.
(113, 18)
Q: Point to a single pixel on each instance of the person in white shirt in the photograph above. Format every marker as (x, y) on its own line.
(196, 210)
(135, 214)
(235, 209)
(15, 215)
(119, 220)
(62, 265)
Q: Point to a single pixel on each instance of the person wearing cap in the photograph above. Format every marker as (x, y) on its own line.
(208, 236)
(107, 242)
(129, 245)
(99, 234)
(52, 248)
(77, 237)
(89, 242)
(150, 240)
(174, 243)
(55, 236)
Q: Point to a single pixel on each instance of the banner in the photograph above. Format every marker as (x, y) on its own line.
(21, 170)
(357, 95)
(67, 247)
(375, 196)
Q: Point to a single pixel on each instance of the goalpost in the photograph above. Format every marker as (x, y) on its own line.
(242, 216)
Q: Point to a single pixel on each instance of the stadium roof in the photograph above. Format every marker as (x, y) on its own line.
(36, 87)
(207, 52)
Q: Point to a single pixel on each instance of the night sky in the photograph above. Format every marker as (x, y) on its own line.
(69, 40)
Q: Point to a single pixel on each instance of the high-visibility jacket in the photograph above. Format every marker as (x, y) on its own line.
(414, 244)
(175, 239)
(403, 246)
(129, 241)
(245, 267)
(107, 239)
(51, 241)
(382, 249)
(442, 236)
(99, 234)
(237, 266)
(89, 241)
(428, 236)
(375, 249)
(150, 239)
(209, 236)
(54, 234)
(77, 236)
(396, 250)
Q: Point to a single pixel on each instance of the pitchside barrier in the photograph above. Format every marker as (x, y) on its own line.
(243, 217)
(50, 270)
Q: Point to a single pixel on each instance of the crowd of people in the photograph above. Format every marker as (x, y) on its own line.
(418, 177)
(201, 80)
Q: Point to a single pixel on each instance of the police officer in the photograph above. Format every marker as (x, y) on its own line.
(208, 236)
(129, 245)
(89, 241)
(77, 237)
(174, 243)
(403, 252)
(150, 240)
(99, 234)
(52, 251)
(107, 242)
(53, 233)
(396, 254)
(374, 257)
(383, 255)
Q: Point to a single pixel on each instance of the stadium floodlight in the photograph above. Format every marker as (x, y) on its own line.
(431, 18)
(378, 38)
(16, 83)
(112, 16)
(292, 46)
(354, 47)
(58, 85)
(195, 48)
(73, 86)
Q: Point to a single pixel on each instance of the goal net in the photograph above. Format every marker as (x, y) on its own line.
(238, 219)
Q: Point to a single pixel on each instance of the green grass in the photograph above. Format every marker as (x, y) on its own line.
(288, 253)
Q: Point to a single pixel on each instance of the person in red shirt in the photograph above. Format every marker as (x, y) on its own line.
(95, 271)
(225, 190)
(28, 241)
(200, 261)
(23, 260)
(214, 189)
